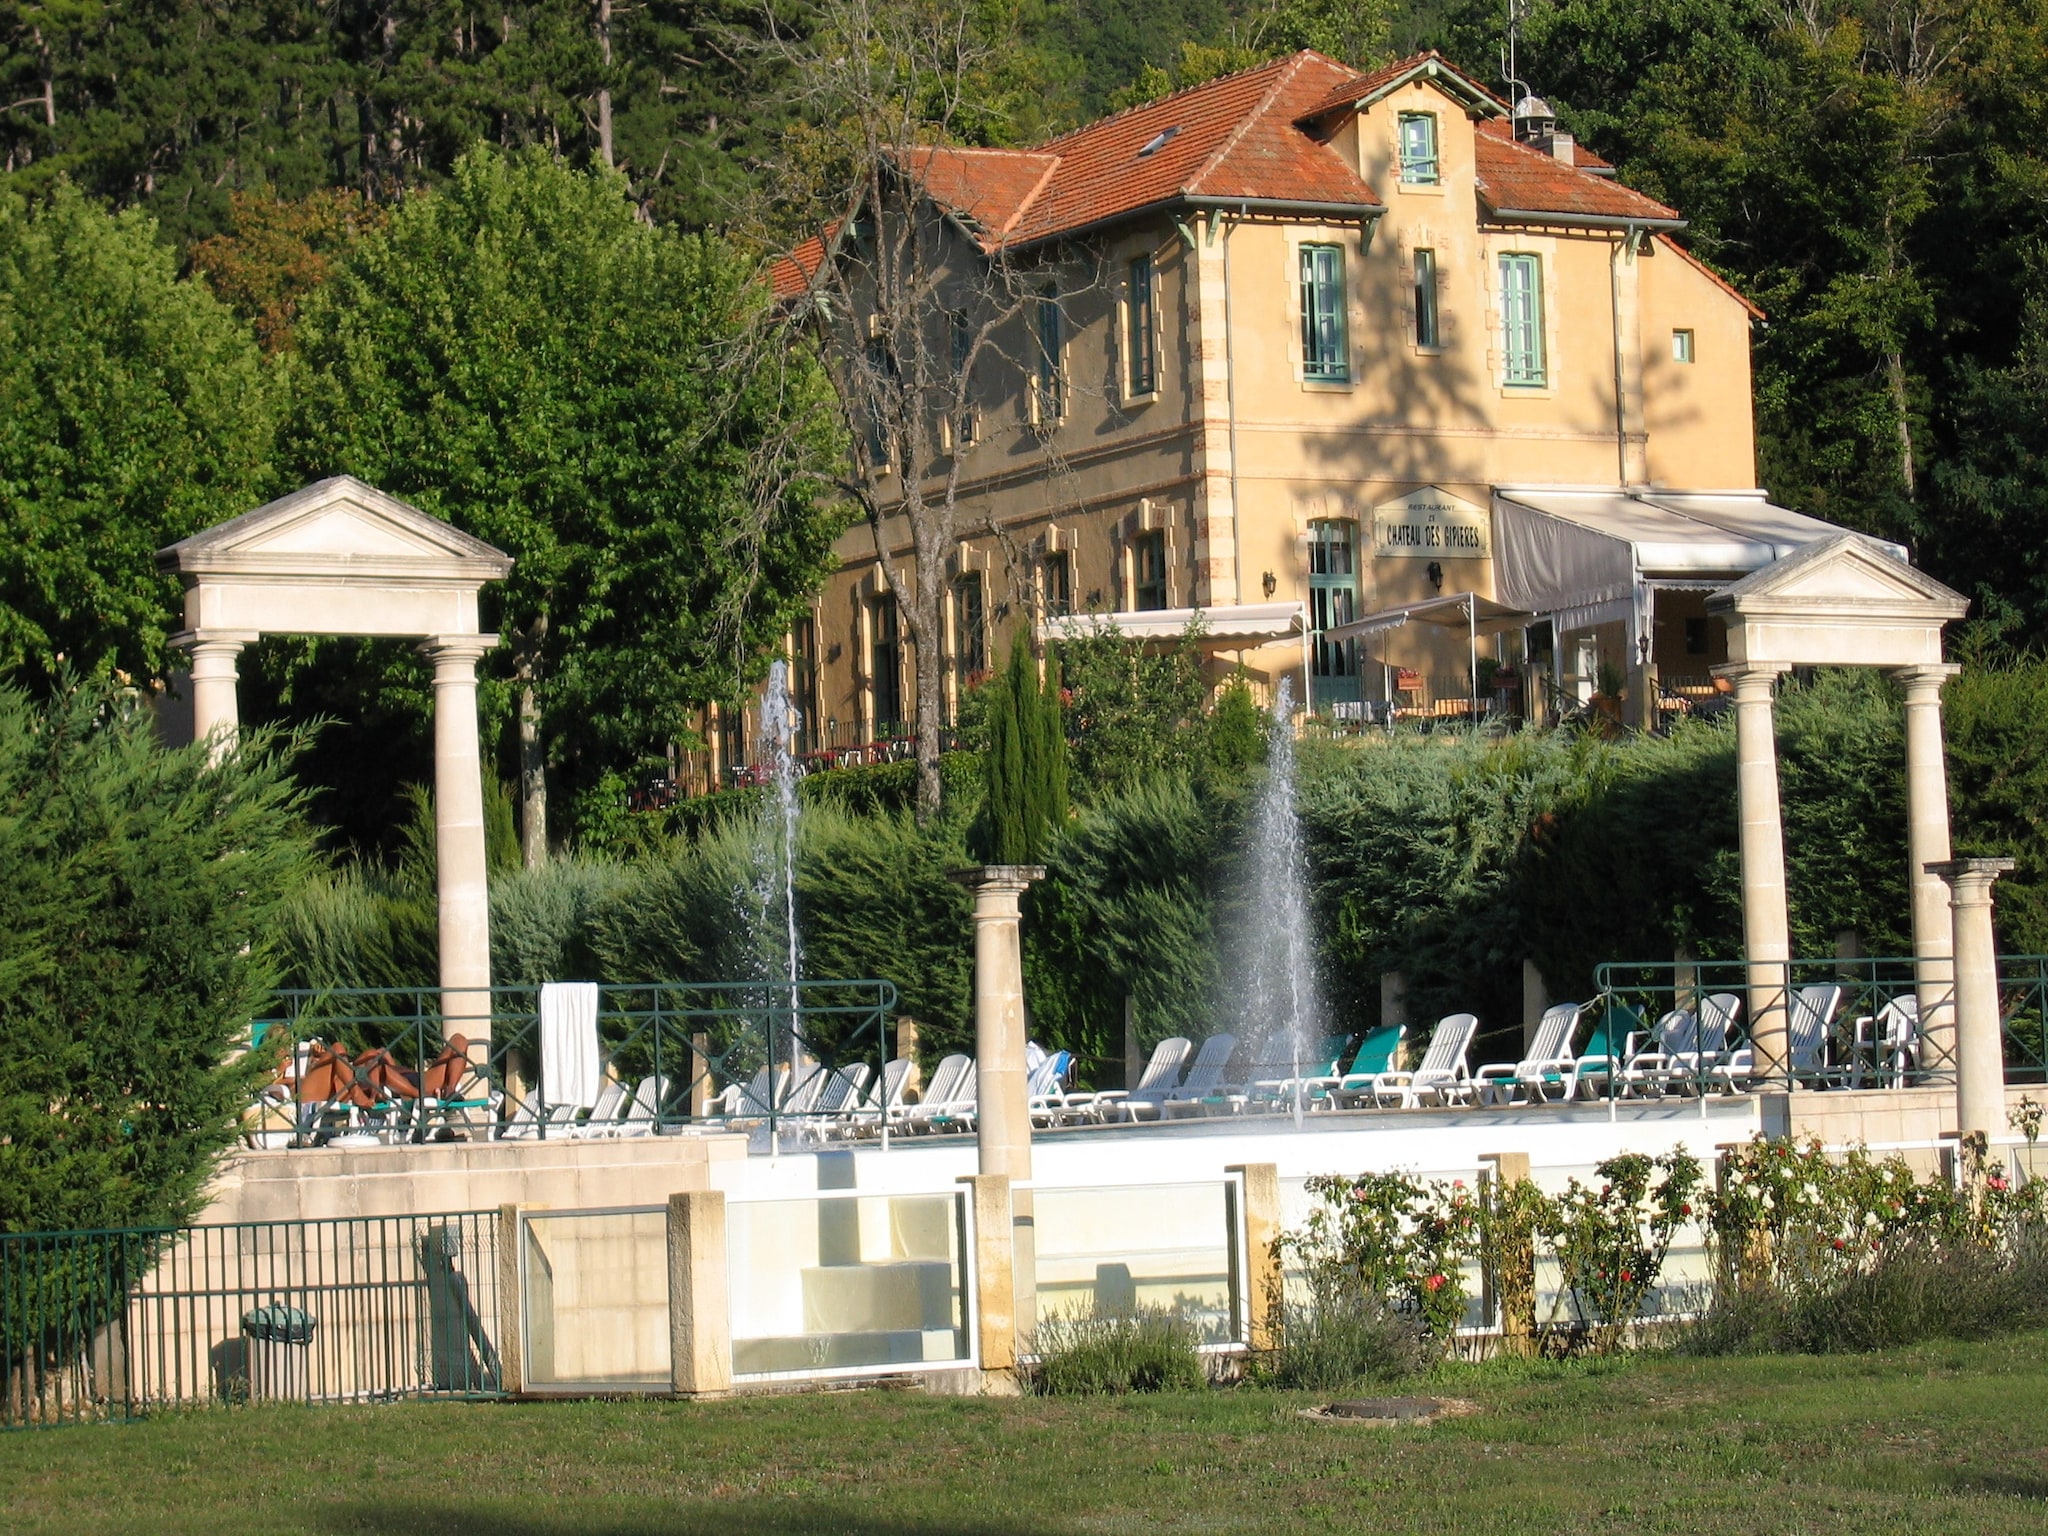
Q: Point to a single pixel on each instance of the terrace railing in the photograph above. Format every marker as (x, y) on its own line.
(110, 1325)
(1860, 1047)
(673, 1055)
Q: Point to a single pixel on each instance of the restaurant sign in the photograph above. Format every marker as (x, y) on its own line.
(1431, 524)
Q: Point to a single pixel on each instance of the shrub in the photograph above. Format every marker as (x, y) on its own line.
(1905, 1297)
(1611, 1242)
(1084, 1354)
(1336, 1337)
(139, 892)
(1392, 1241)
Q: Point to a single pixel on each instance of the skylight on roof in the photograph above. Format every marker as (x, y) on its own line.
(1158, 141)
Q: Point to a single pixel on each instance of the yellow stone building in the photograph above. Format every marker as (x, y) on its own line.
(1393, 381)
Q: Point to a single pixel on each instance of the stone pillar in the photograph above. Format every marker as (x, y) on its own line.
(463, 885)
(511, 1303)
(699, 1303)
(1927, 845)
(216, 711)
(1002, 1124)
(995, 1292)
(1535, 1001)
(1508, 1269)
(1002, 1118)
(702, 1092)
(1980, 1041)
(1393, 998)
(1766, 937)
(1134, 1054)
(1263, 1274)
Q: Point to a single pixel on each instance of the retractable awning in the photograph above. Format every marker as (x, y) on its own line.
(1239, 625)
(1585, 557)
(1465, 610)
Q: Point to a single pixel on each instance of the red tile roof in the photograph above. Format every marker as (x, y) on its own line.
(1522, 179)
(1366, 86)
(789, 276)
(1255, 136)
(1228, 138)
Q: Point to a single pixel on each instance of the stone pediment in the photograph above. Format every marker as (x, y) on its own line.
(1846, 569)
(1842, 601)
(338, 526)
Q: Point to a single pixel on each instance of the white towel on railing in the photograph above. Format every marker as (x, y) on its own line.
(571, 1070)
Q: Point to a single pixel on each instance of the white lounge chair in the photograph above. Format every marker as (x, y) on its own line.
(603, 1119)
(874, 1108)
(1807, 1023)
(1161, 1077)
(1045, 1094)
(1548, 1066)
(950, 1094)
(1201, 1091)
(1887, 1044)
(645, 1107)
(1442, 1077)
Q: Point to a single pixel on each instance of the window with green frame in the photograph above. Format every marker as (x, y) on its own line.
(1140, 326)
(1325, 348)
(1521, 320)
(1419, 166)
(1148, 571)
(1050, 377)
(1333, 600)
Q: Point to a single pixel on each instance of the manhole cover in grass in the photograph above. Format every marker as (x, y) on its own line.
(1392, 1410)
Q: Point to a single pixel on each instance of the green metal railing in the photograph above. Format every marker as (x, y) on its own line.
(109, 1325)
(1851, 1050)
(677, 1054)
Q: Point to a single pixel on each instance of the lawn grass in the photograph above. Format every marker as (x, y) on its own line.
(1951, 1438)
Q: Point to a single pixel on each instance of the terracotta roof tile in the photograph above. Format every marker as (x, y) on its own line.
(1360, 87)
(1522, 179)
(1237, 137)
(1233, 137)
(789, 276)
(1582, 157)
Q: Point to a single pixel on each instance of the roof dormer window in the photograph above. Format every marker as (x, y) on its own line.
(1419, 166)
(1158, 141)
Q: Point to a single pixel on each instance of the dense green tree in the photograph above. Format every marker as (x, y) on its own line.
(134, 410)
(523, 355)
(177, 104)
(139, 888)
(1024, 764)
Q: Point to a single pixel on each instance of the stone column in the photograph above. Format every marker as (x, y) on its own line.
(1002, 1119)
(1264, 1275)
(1926, 846)
(1980, 1041)
(463, 885)
(216, 712)
(1766, 937)
(1002, 1125)
(699, 1301)
(995, 1295)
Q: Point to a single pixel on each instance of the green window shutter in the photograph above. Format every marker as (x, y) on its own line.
(1521, 315)
(1325, 348)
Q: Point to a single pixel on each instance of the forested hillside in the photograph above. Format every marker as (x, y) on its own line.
(1869, 171)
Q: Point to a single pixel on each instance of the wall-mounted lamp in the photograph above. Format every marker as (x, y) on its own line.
(833, 651)
(1436, 574)
(1270, 583)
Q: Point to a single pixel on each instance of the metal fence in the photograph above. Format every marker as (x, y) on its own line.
(109, 1325)
(1850, 1022)
(382, 1064)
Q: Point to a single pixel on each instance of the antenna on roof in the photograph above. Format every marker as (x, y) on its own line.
(1510, 65)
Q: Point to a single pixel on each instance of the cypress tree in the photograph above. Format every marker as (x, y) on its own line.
(1024, 764)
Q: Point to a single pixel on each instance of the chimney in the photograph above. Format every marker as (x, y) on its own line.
(1534, 122)
(1536, 126)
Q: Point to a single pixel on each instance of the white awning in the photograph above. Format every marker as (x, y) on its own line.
(1581, 557)
(1242, 624)
(1465, 610)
